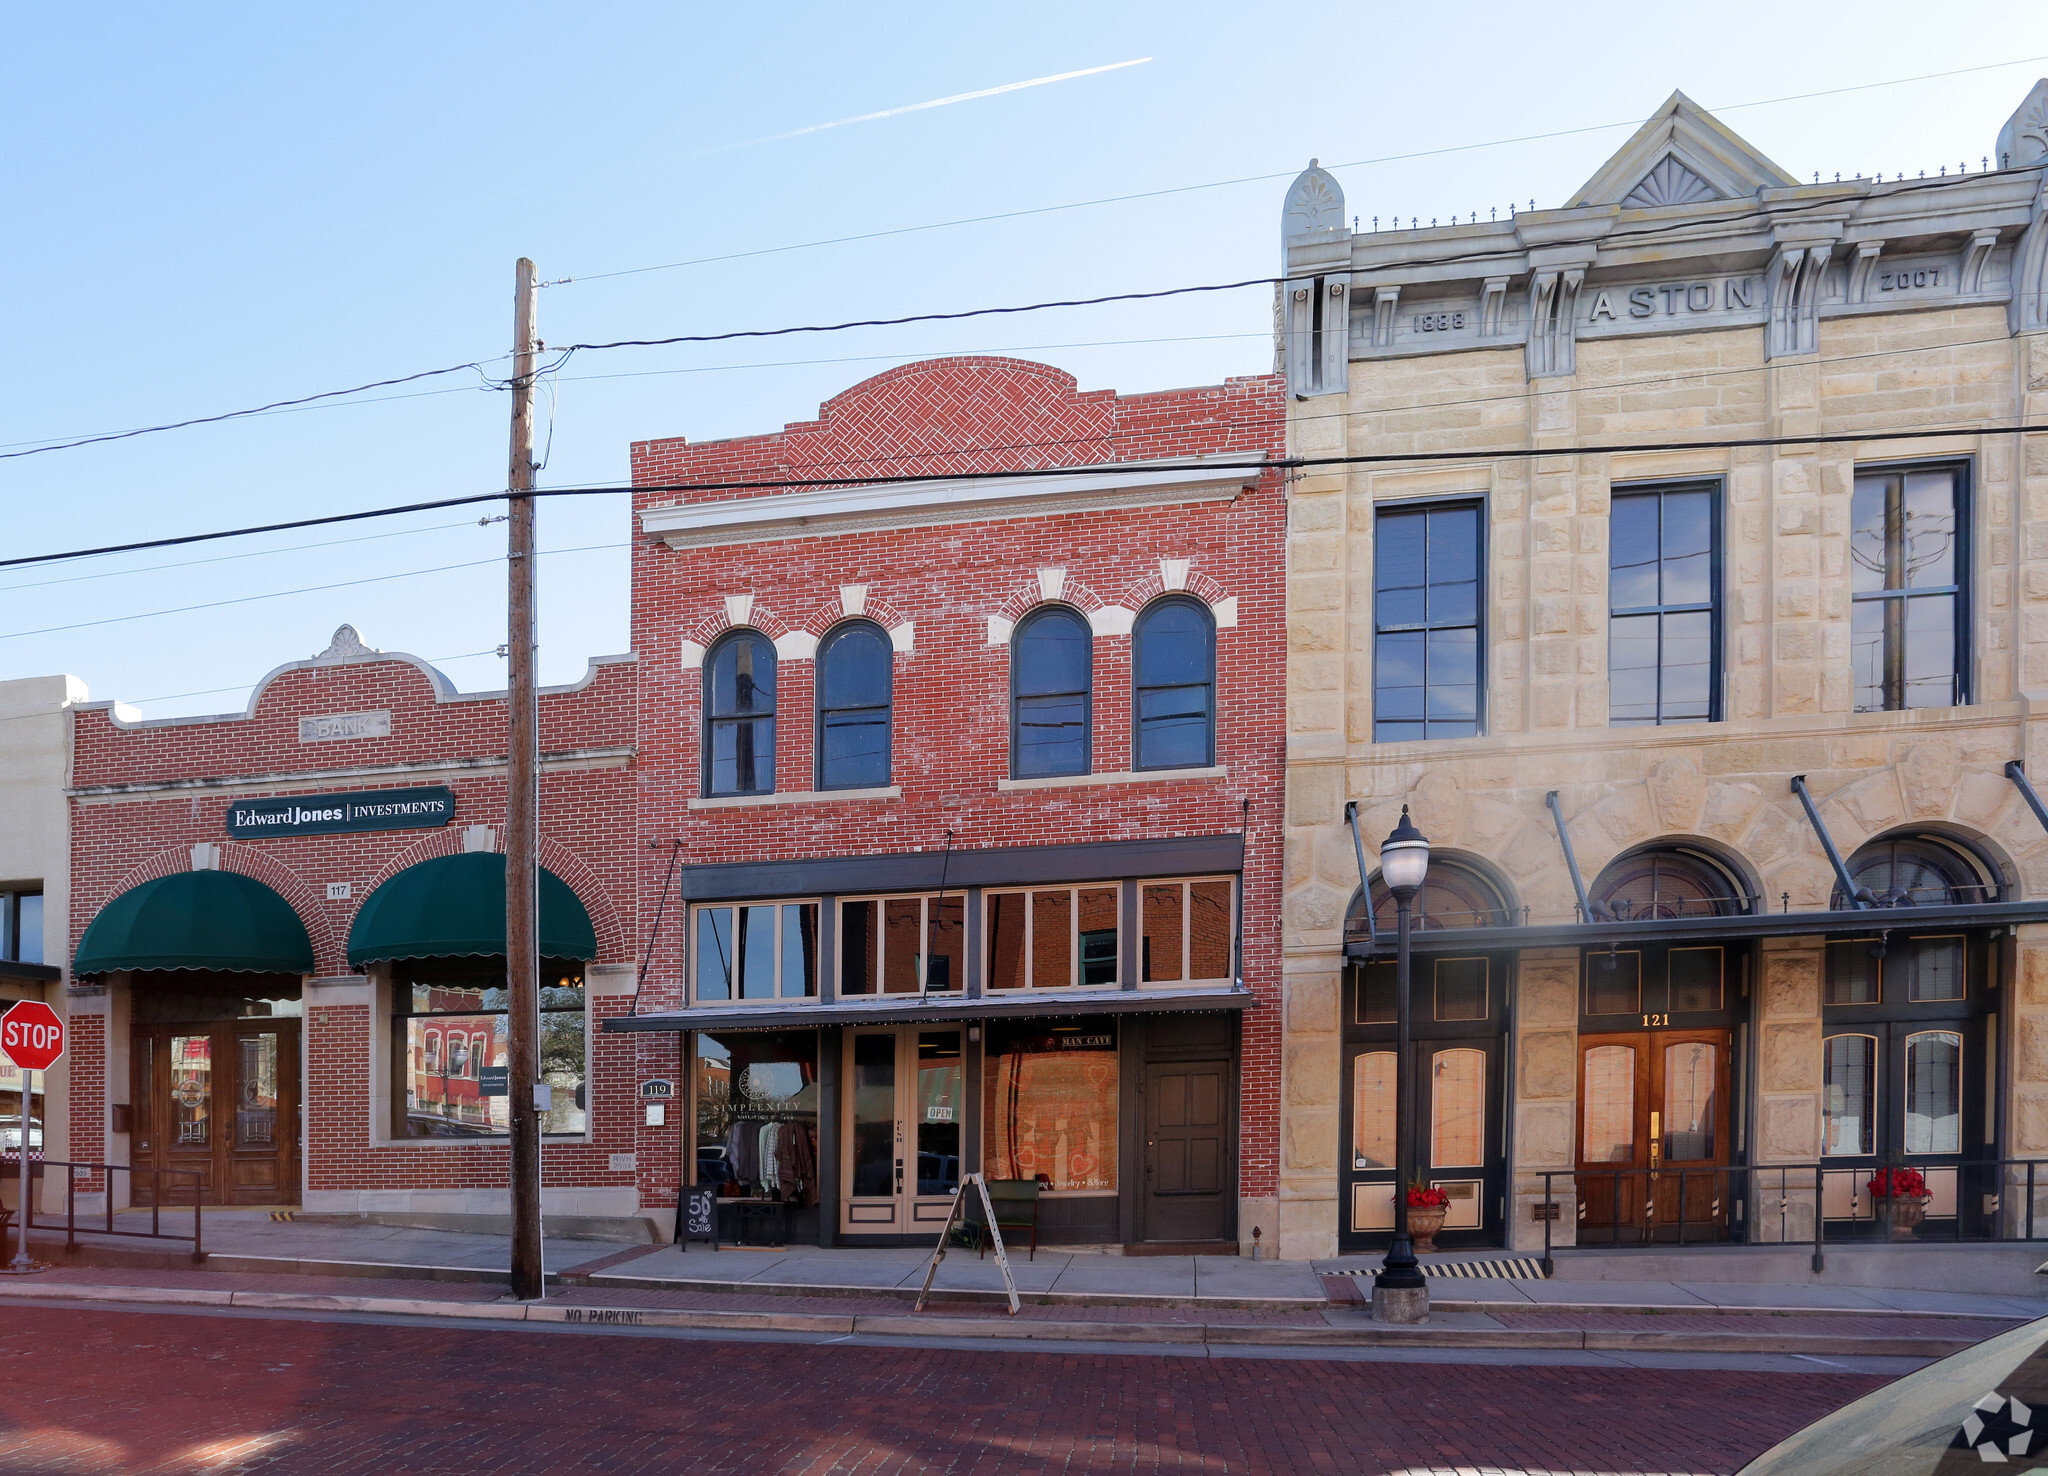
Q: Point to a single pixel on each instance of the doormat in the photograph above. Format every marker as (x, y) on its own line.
(1508, 1268)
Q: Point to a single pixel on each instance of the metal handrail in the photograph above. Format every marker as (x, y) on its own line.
(156, 1204)
(2007, 1223)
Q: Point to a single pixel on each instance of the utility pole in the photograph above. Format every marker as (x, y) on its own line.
(522, 813)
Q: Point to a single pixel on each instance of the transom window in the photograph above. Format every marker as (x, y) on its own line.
(1453, 895)
(1051, 684)
(1667, 881)
(1426, 623)
(756, 951)
(739, 715)
(1917, 871)
(1051, 937)
(1908, 640)
(855, 675)
(1663, 623)
(902, 945)
(1187, 931)
(1174, 698)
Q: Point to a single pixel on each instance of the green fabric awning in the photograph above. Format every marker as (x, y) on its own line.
(454, 907)
(197, 920)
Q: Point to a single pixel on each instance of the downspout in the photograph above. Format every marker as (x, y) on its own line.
(2017, 772)
(1564, 839)
(1857, 900)
(1372, 931)
(1244, 827)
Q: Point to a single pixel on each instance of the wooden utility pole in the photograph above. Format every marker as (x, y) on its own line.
(522, 814)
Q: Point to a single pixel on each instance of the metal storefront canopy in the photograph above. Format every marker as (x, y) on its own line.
(454, 907)
(197, 920)
(912, 1009)
(1859, 923)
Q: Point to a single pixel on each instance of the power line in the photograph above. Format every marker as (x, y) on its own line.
(278, 594)
(1218, 184)
(1262, 464)
(150, 430)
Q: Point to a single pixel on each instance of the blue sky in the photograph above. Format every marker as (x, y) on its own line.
(219, 206)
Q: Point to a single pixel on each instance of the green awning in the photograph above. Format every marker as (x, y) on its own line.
(197, 920)
(454, 907)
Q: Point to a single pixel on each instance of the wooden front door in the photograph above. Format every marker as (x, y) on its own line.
(1653, 1128)
(1188, 1180)
(219, 1103)
(906, 1101)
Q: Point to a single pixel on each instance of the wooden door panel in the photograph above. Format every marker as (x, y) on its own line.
(1655, 1101)
(1187, 1153)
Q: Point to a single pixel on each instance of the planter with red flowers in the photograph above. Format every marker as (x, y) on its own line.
(1427, 1206)
(1901, 1197)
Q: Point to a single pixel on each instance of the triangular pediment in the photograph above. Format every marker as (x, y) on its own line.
(1683, 154)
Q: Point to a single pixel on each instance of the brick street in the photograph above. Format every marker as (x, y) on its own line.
(107, 1393)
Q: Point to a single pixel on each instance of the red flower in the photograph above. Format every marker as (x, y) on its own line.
(1898, 1184)
(1426, 1196)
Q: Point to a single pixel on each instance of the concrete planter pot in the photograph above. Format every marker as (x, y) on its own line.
(1423, 1223)
(1903, 1213)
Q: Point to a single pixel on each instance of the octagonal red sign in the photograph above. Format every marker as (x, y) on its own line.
(32, 1035)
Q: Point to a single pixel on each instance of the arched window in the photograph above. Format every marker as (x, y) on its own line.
(1453, 895)
(1051, 683)
(854, 694)
(739, 715)
(1918, 871)
(1174, 704)
(1667, 881)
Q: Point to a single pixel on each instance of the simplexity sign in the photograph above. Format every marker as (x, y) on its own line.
(329, 814)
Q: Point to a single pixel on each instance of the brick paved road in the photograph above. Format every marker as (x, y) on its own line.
(101, 1392)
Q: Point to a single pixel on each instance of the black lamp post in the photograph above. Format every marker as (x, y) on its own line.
(1400, 1294)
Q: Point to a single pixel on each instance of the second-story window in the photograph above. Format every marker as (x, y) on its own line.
(1426, 623)
(1663, 623)
(1174, 702)
(1908, 639)
(854, 707)
(1051, 678)
(739, 715)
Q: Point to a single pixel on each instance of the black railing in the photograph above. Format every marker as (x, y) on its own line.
(1994, 1199)
(156, 1205)
(1662, 905)
(1944, 895)
(1356, 931)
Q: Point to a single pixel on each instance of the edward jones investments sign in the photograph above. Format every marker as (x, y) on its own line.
(329, 814)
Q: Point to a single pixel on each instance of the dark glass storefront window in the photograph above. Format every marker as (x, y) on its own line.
(902, 945)
(739, 716)
(1663, 608)
(757, 1114)
(1052, 678)
(1908, 639)
(450, 1046)
(1426, 624)
(854, 702)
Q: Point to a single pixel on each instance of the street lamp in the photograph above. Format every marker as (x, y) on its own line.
(1399, 1293)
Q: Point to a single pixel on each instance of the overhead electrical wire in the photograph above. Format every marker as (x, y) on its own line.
(1259, 464)
(1217, 184)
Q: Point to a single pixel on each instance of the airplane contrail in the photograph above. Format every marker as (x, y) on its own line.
(937, 102)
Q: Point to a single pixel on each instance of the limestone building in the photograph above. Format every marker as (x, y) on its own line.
(1616, 523)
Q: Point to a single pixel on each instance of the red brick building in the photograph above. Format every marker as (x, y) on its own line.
(973, 792)
(302, 904)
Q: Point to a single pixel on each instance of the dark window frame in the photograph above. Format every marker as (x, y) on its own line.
(887, 709)
(1479, 506)
(10, 924)
(1053, 610)
(711, 723)
(1208, 616)
(1714, 608)
(1963, 470)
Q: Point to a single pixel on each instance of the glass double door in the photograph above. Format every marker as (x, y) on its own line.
(906, 1106)
(1457, 1136)
(1653, 1137)
(219, 1103)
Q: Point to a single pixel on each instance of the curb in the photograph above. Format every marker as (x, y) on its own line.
(1372, 1335)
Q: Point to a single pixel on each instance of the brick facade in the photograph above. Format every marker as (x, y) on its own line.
(948, 592)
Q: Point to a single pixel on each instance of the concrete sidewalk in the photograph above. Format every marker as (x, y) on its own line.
(1698, 1280)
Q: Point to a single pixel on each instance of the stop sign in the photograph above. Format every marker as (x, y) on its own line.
(31, 1035)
